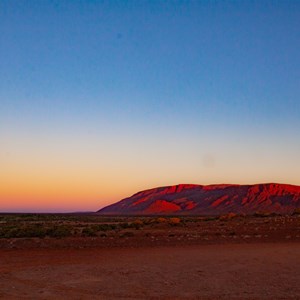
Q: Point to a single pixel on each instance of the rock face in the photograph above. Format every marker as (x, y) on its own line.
(188, 199)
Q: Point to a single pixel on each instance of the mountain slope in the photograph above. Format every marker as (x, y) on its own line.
(190, 199)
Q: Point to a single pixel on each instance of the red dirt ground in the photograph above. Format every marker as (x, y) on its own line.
(241, 271)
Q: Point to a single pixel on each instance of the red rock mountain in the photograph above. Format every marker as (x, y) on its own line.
(190, 199)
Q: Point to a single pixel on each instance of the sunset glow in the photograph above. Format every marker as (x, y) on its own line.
(99, 100)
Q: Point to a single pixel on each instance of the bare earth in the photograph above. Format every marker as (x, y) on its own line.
(220, 271)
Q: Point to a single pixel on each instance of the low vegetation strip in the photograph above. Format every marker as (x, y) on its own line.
(59, 226)
(55, 230)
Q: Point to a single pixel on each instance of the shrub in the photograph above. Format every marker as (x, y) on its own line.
(33, 231)
(161, 220)
(137, 224)
(59, 231)
(228, 216)
(88, 231)
(296, 211)
(104, 227)
(9, 232)
(174, 221)
(27, 231)
(262, 214)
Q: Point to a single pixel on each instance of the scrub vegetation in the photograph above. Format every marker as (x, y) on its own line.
(184, 228)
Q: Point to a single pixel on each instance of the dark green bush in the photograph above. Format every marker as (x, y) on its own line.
(104, 227)
(24, 231)
(88, 231)
(59, 231)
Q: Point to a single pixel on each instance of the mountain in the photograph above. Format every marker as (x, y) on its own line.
(191, 199)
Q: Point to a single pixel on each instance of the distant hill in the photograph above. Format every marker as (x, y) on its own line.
(190, 199)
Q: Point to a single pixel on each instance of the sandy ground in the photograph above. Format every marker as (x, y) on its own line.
(230, 271)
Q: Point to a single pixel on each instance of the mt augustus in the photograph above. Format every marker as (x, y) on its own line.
(190, 199)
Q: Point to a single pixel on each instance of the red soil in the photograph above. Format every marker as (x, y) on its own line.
(255, 271)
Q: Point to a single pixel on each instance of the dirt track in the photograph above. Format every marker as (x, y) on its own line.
(242, 271)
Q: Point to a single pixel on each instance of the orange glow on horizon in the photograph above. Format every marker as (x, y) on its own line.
(78, 177)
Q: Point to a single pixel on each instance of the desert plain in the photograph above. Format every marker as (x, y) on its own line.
(87, 256)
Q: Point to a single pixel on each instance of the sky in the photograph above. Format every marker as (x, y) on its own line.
(101, 99)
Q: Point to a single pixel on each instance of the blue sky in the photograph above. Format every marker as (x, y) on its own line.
(236, 59)
(218, 77)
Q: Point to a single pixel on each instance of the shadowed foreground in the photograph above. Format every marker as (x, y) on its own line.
(254, 271)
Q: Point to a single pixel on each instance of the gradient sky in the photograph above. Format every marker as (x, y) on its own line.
(101, 99)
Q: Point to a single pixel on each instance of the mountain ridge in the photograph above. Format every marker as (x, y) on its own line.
(214, 199)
